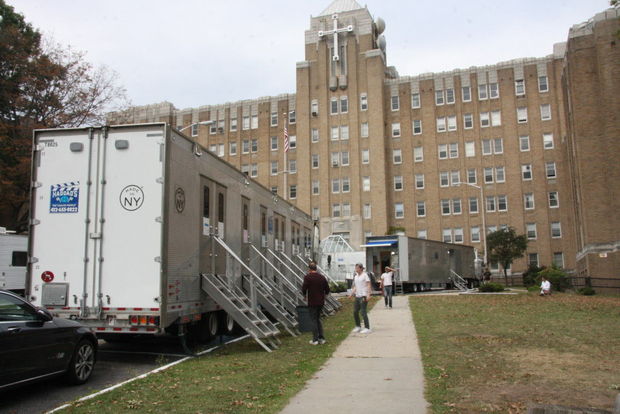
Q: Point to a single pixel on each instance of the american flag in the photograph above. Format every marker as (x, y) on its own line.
(285, 139)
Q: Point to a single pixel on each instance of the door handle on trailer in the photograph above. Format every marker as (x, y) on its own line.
(14, 329)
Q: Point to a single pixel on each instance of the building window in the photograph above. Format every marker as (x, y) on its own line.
(315, 160)
(441, 124)
(194, 130)
(488, 175)
(335, 210)
(333, 106)
(232, 148)
(419, 181)
(456, 206)
(545, 112)
(315, 187)
(398, 183)
(344, 158)
(439, 98)
(274, 143)
(422, 234)
(498, 146)
(292, 192)
(452, 123)
(502, 203)
(526, 172)
(558, 259)
(314, 134)
(274, 119)
(524, 143)
(365, 183)
(335, 133)
(466, 92)
(418, 154)
(455, 177)
(292, 117)
(399, 210)
(365, 156)
(254, 170)
(496, 118)
(417, 126)
(493, 90)
(446, 235)
(335, 185)
(530, 229)
(364, 130)
(344, 104)
(528, 201)
(487, 147)
(454, 149)
(442, 151)
(274, 167)
(363, 102)
(554, 200)
(471, 176)
(444, 179)
(367, 211)
(344, 132)
(520, 87)
(468, 121)
(421, 209)
(233, 124)
(475, 234)
(445, 207)
(473, 205)
(254, 145)
(458, 235)
(397, 156)
(548, 141)
(292, 166)
(490, 207)
(274, 189)
(314, 107)
(245, 123)
(450, 95)
(335, 159)
(556, 230)
(522, 115)
(315, 213)
(485, 120)
(500, 175)
(470, 149)
(532, 259)
(550, 169)
(543, 84)
(220, 150)
(245, 146)
(483, 92)
(396, 130)
(254, 124)
(415, 100)
(346, 185)
(395, 103)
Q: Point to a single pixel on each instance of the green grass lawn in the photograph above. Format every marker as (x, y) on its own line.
(240, 378)
(501, 353)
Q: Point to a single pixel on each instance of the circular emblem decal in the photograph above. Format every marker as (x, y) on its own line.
(179, 199)
(131, 198)
(47, 276)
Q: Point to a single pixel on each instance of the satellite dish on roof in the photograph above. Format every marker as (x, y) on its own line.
(381, 42)
(380, 25)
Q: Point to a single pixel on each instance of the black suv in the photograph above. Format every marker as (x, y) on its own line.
(35, 345)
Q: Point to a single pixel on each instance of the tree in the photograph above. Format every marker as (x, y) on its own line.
(504, 246)
(42, 85)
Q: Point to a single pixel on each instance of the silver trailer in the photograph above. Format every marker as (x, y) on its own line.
(13, 260)
(136, 229)
(421, 263)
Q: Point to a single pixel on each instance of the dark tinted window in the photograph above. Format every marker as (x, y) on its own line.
(19, 259)
(205, 202)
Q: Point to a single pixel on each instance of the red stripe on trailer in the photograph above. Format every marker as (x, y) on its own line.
(117, 329)
(100, 329)
(133, 329)
(106, 309)
(155, 309)
(137, 309)
(121, 309)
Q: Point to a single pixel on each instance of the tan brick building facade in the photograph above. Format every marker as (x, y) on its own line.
(373, 152)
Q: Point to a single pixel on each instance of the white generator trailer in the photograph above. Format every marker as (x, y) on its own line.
(136, 229)
(13, 261)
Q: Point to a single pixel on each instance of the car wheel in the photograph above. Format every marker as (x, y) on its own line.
(82, 363)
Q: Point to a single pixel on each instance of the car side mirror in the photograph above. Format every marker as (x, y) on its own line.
(44, 314)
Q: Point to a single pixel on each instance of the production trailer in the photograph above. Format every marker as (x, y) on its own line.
(421, 263)
(13, 260)
(136, 229)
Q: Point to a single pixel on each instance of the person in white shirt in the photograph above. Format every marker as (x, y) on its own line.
(361, 291)
(545, 287)
(387, 285)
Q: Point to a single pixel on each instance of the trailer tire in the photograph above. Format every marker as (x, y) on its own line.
(213, 324)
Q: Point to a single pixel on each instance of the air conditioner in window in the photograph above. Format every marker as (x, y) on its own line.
(334, 163)
(220, 130)
(315, 113)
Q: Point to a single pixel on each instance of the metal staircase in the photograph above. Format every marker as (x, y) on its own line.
(398, 284)
(458, 281)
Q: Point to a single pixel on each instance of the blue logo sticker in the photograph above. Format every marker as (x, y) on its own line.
(65, 197)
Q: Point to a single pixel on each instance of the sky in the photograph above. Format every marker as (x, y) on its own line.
(208, 52)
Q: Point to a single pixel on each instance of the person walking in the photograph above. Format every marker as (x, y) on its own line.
(315, 288)
(387, 279)
(361, 291)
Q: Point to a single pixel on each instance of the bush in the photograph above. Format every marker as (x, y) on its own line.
(586, 291)
(557, 277)
(530, 276)
(533, 288)
(337, 287)
(491, 287)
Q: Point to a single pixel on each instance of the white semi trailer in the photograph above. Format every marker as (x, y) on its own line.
(136, 229)
(13, 260)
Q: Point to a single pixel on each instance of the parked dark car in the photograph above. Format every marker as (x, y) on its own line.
(35, 345)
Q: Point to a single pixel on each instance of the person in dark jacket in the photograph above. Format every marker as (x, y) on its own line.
(315, 288)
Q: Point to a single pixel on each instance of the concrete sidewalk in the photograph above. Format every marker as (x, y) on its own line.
(376, 372)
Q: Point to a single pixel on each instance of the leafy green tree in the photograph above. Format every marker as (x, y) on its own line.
(505, 246)
(42, 85)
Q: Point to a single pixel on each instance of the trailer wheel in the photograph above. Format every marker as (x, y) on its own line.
(213, 324)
